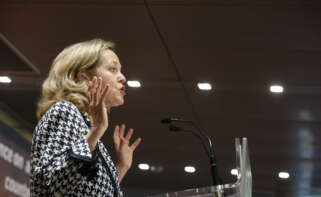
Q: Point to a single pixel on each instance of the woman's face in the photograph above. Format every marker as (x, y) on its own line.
(109, 69)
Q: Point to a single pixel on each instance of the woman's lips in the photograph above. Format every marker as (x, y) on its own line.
(123, 91)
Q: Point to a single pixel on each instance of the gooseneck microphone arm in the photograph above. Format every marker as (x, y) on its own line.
(201, 135)
(179, 129)
(214, 169)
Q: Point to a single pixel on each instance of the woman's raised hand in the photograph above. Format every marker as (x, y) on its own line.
(124, 149)
(97, 111)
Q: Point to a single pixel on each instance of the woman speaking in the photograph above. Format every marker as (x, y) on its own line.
(68, 159)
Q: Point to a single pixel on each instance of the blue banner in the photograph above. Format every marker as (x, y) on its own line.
(14, 163)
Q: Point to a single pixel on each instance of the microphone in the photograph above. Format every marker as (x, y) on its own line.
(201, 135)
(168, 120)
(177, 129)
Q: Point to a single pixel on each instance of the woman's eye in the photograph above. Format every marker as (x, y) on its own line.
(113, 69)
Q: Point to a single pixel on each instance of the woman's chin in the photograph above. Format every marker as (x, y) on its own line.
(120, 103)
(117, 103)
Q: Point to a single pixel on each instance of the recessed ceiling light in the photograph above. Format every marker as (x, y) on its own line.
(234, 172)
(143, 166)
(189, 169)
(204, 86)
(5, 79)
(276, 89)
(134, 84)
(157, 169)
(284, 175)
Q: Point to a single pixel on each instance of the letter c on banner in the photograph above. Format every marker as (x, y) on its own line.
(6, 183)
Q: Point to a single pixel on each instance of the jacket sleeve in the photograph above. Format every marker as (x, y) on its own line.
(62, 149)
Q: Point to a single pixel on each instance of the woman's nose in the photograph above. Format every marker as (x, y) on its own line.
(122, 78)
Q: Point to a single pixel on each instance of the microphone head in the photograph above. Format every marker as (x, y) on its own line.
(166, 120)
(174, 128)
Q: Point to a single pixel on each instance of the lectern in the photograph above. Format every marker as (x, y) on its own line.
(241, 188)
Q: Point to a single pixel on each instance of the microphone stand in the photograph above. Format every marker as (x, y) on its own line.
(214, 169)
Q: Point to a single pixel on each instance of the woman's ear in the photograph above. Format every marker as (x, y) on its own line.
(82, 76)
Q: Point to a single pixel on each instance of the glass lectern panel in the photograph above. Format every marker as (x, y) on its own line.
(241, 188)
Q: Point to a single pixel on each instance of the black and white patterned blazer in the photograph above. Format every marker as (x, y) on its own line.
(61, 161)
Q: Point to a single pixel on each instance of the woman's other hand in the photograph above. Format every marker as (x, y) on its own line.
(97, 110)
(124, 150)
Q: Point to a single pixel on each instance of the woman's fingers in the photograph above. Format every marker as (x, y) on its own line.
(136, 143)
(98, 91)
(92, 90)
(103, 95)
(124, 140)
(129, 134)
(116, 137)
(96, 94)
(97, 108)
(95, 90)
(89, 92)
(122, 131)
(116, 133)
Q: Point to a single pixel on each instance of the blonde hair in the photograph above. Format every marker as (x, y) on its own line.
(62, 82)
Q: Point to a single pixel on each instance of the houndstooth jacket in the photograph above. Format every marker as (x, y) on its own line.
(61, 161)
